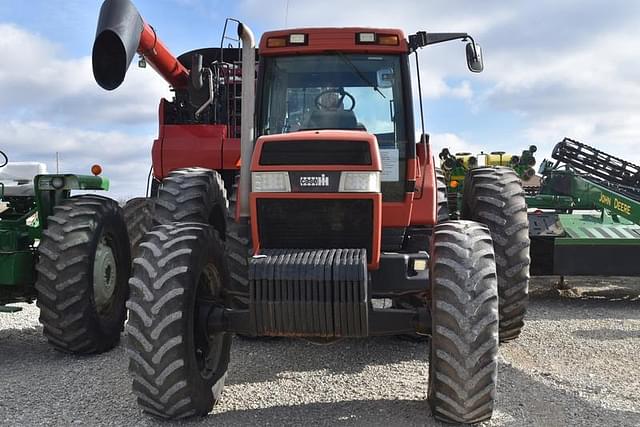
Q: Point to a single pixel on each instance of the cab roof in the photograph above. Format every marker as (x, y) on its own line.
(346, 40)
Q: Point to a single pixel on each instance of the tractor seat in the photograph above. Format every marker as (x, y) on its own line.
(339, 119)
(17, 178)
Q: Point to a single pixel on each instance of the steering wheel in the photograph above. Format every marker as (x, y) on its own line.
(341, 95)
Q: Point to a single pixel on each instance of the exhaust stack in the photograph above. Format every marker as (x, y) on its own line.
(122, 32)
(247, 107)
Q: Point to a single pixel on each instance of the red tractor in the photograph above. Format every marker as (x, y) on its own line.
(292, 201)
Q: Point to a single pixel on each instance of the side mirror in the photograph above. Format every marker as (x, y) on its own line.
(474, 57)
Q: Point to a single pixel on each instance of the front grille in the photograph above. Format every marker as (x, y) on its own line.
(315, 223)
(276, 153)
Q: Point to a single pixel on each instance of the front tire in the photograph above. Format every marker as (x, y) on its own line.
(464, 310)
(84, 264)
(494, 196)
(178, 365)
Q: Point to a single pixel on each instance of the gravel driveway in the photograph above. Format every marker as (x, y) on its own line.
(577, 363)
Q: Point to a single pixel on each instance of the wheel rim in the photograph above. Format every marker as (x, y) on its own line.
(104, 275)
(208, 347)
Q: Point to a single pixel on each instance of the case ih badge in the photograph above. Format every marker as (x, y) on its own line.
(314, 181)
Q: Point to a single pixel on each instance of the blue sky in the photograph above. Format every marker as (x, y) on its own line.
(552, 69)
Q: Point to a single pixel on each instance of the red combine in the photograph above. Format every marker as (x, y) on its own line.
(291, 199)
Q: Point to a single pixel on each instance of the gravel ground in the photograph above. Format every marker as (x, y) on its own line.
(577, 363)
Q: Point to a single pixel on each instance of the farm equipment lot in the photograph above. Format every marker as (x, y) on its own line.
(576, 363)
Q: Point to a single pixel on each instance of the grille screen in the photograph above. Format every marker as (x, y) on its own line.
(315, 223)
(315, 153)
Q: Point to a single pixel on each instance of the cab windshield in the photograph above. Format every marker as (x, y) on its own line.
(336, 91)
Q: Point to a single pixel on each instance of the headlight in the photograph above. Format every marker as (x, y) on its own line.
(270, 182)
(57, 182)
(360, 182)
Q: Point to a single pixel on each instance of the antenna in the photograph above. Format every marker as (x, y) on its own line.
(286, 13)
(57, 162)
(419, 92)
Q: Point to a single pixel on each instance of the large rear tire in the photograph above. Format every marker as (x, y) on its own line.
(178, 365)
(494, 196)
(138, 215)
(84, 264)
(442, 209)
(193, 195)
(417, 239)
(464, 310)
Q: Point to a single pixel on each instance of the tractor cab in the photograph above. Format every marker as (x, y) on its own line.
(348, 79)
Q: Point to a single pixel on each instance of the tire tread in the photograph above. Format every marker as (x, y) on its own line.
(495, 197)
(64, 298)
(156, 333)
(464, 343)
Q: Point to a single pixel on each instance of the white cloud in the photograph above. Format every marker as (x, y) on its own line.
(38, 82)
(410, 15)
(453, 142)
(51, 104)
(125, 159)
(435, 86)
(588, 94)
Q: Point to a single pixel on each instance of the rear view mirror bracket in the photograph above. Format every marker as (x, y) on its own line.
(473, 50)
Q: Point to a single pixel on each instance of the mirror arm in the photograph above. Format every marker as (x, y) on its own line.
(433, 38)
(422, 39)
(445, 37)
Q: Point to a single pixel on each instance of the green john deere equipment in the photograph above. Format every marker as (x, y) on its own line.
(455, 167)
(70, 253)
(587, 217)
